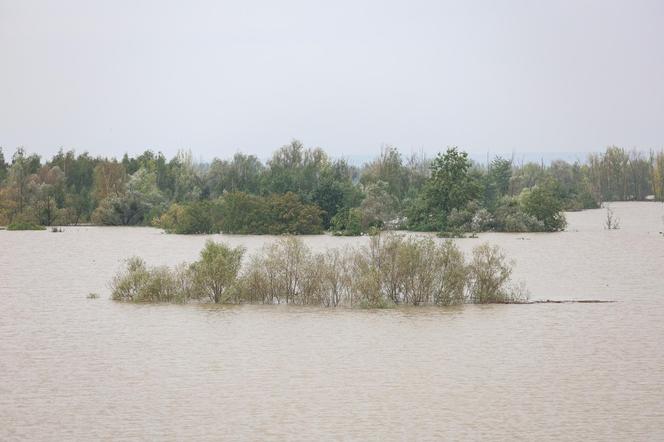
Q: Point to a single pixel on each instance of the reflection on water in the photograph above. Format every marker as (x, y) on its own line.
(74, 368)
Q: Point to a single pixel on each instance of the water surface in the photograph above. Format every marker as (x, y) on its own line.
(78, 369)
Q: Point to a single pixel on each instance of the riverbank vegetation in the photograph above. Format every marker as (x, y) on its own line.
(392, 270)
(302, 191)
(239, 212)
(24, 225)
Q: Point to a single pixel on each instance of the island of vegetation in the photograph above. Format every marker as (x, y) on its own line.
(392, 270)
(24, 225)
(304, 191)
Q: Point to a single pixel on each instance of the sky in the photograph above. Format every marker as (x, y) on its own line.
(524, 77)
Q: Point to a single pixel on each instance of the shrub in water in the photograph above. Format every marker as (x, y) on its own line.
(138, 283)
(24, 225)
(393, 269)
(489, 277)
(214, 275)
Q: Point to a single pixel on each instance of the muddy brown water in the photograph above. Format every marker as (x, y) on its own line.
(73, 368)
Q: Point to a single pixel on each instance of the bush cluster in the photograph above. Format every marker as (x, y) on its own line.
(534, 210)
(24, 225)
(212, 278)
(392, 270)
(239, 212)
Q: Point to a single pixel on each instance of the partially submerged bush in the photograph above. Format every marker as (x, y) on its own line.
(24, 225)
(347, 222)
(393, 269)
(407, 270)
(453, 275)
(510, 217)
(193, 218)
(214, 275)
(288, 272)
(138, 283)
(472, 218)
(212, 278)
(542, 203)
(451, 234)
(243, 213)
(489, 277)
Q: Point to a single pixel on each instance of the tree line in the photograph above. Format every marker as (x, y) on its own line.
(303, 190)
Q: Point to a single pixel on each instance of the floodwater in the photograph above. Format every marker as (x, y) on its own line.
(73, 368)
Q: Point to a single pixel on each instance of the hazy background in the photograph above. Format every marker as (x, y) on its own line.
(562, 77)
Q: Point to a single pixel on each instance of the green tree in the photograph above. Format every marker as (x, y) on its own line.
(242, 174)
(543, 203)
(79, 174)
(20, 176)
(4, 167)
(388, 168)
(335, 190)
(347, 222)
(489, 277)
(140, 202)
(497, 181)
(187, 183)
(379, 206)
(47, 190)
(451, 186)
(110, 178)
(216, 271)
(190, 218)
(295, 169)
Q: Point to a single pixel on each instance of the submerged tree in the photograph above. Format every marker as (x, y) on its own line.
(542, 202)
(214, 275)
(140, 201)
(450, 187)
(489, 277)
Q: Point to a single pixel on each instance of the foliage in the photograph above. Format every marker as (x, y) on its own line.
(348, 222)
(192, 218)
(140, 283)
(139, 201)
(241, 174)
(510, 217)
(542, 203)
(378, 207)
(4, 167)
(24, 225)
(393, 269)
(273, 214)
(213, 277)
(451, 186)
(472, 218)
(406, 270)
(278, 275)
(496, 182)
(215, 273)
(489, 277)
(303, 190)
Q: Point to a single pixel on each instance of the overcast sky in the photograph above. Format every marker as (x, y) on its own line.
(217, 77)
